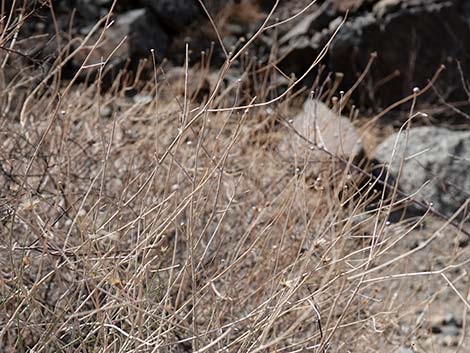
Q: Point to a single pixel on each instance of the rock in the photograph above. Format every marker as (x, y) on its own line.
(303, 40)
(347, 5)
(334, 133)
(309, 24)
(144, 33)
(412, 38)
(386, 6)
(404, 350)
(447, 327)
(88, 9)
(91, 10)
(175, 14)
(106, 112)
(432, 155)
(266, 5)
(136, 25)
(142, 99)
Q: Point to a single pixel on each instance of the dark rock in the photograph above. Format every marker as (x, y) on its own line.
(143, 34)
(175, 14)
(437, 157)
(266, 5)
(303, 40)
(412, 38)
(90, 9)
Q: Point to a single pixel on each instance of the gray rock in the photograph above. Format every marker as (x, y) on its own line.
(437, 157)
(347, 5)
(386, 6)
(311, 23)
(319, 125)
(404, 350)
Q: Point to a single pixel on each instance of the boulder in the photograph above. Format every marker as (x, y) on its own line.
(435, 156)
(143, 33)
(412, 38)
(330, 131)
(175, 14)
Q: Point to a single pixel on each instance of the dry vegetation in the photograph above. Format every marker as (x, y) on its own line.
(169, 222)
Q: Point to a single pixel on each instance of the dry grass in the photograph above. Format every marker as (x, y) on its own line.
(161, 223)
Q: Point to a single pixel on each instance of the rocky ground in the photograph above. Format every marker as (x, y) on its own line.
(164, 187)
(412, 38)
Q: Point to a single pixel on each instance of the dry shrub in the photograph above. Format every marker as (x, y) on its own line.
(157, 223)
